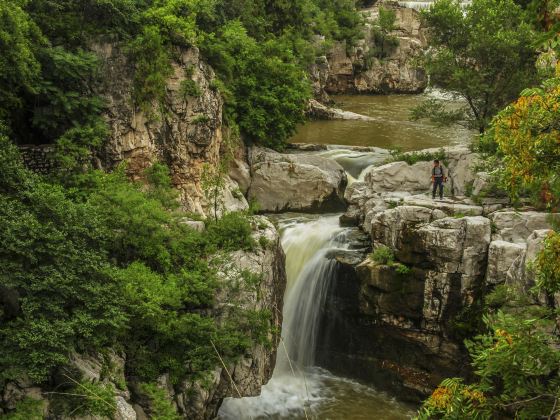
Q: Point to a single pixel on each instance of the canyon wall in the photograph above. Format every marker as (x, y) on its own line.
(361, 69)
(185, 131)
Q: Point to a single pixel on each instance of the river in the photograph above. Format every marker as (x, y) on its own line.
(391, 127)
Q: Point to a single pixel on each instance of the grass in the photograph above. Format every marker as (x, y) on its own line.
(411, 158)
(384, 255)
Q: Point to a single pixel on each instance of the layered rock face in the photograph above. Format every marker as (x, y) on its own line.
(358, 70)
(400, 324)
(397, 182)
(295, 182)
(187, 135)
(198, 399)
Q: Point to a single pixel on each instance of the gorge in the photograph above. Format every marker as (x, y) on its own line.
(222, 210)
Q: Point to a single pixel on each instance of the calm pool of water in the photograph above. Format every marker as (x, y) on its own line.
(391, 127)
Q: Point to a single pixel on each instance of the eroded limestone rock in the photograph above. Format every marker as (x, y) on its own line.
(517, 226)
(357, 70)
(187, 137)
(298, 181)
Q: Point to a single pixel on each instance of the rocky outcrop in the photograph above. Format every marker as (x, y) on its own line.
(198, 399)
(358, 70)
(399, 321)
(201, 400)
(516, 239)
(388, 185)
(186, 135)
(317, 110)
(295, 181)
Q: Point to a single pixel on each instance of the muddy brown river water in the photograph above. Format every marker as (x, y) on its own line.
(391, 127)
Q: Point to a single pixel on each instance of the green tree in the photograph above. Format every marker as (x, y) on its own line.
(20, 69)
(385, 43)
(483, 53)
(270, 90)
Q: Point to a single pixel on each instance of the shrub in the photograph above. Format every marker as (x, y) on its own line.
(188, 88)
(105, 261)
(401, 269)
(383, 255)
(232, 231)
(161, 406)
(27, 409)
(414, 157)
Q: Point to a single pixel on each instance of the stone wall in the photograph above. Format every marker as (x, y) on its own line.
(38, 158)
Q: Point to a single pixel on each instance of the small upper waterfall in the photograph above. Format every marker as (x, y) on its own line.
(422, 4)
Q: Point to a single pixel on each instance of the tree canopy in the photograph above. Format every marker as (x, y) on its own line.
(484, 53)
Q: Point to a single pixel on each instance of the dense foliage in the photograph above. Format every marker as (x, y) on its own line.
(516, 356)
(484, 54)
(527, 135)
(106, 263)
(48, 76)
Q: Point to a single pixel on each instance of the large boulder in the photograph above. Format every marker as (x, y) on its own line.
(502, 258)
(399, 176)
(508, 261)
(295, 181)
(517, 226)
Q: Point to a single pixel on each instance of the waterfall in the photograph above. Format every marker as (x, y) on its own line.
(310, 274)
(354, 160)
(420, 4)
(295, 387)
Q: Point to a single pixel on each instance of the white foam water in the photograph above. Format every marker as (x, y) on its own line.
(355, 160)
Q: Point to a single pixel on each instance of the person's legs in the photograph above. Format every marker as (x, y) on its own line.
(434, 189)
(441, 189)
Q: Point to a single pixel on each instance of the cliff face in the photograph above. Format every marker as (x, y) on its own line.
(403, 329)
(358, 70)
(187, 136)
(201, 398)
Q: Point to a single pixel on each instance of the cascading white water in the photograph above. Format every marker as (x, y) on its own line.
(293, 388)
(310, 274)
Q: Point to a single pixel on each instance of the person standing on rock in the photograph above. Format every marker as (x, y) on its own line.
(438, 178)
